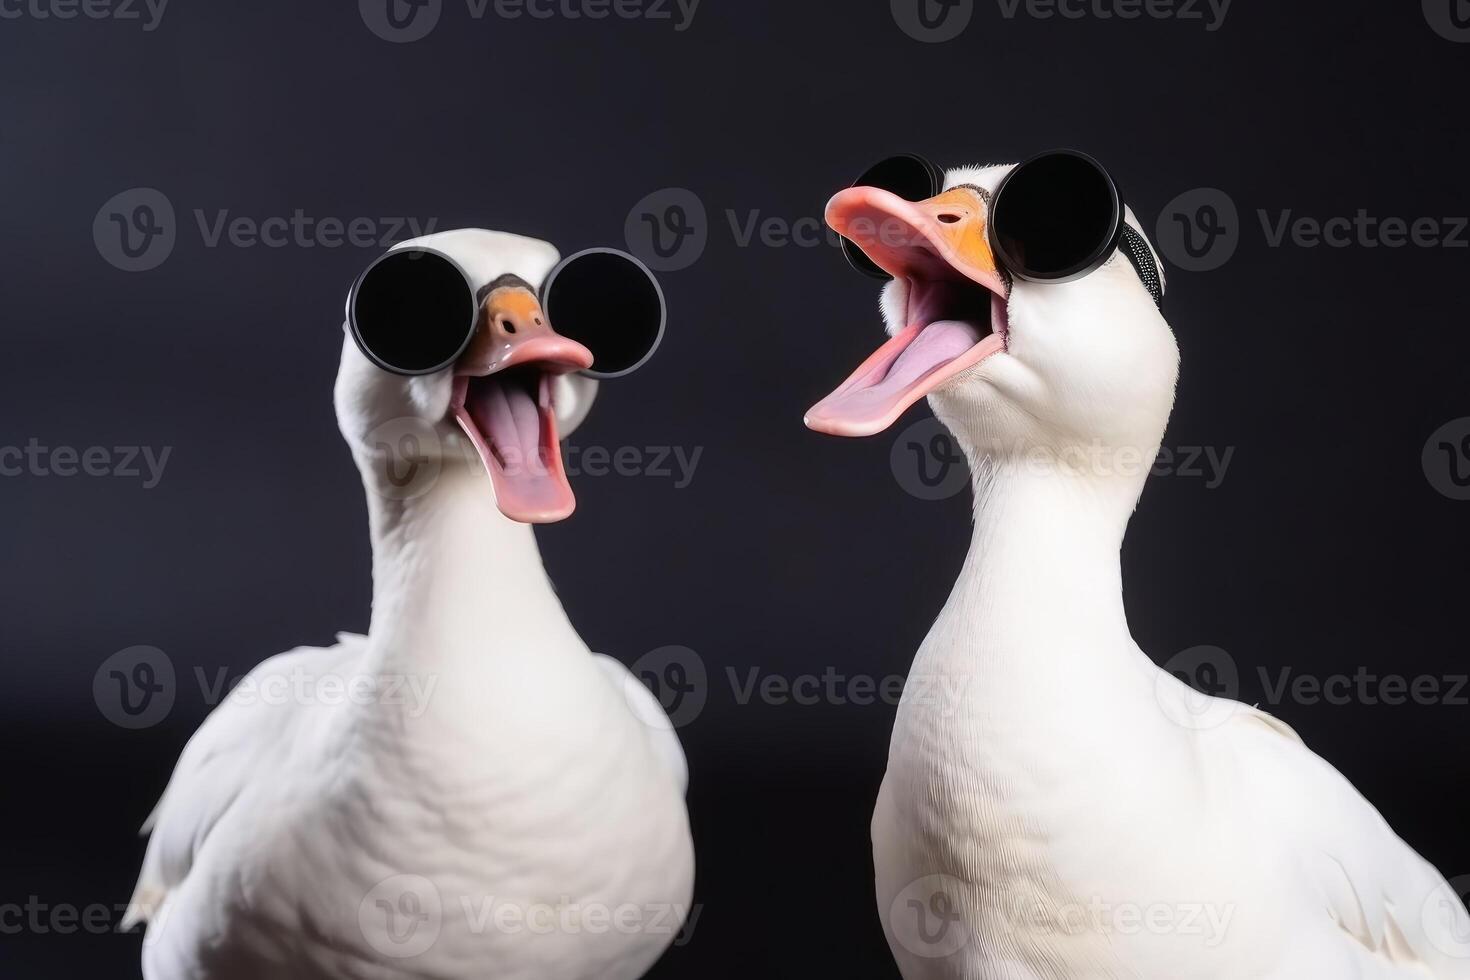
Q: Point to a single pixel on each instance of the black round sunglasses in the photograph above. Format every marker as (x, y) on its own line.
(1055, 218)
(414, 311)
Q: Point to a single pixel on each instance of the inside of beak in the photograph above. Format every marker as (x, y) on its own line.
(955, 296)
(504, 400)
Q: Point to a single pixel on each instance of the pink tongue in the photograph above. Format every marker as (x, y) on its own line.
(525, 469)
(875, 395)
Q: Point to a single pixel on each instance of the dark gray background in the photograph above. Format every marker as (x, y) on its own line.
(1326, 549)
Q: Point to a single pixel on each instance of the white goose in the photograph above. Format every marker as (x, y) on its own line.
(1070, 810)
(487, 798)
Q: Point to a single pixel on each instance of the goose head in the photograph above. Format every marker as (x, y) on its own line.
(506, 401)
(1010, 366)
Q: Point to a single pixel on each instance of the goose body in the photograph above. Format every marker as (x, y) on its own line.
(487, 799)
(1070, 811)
(1085, 815)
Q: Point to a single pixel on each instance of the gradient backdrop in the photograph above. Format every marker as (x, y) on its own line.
(1320, 534)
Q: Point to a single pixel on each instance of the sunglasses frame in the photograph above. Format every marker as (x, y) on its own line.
(362, 278)
(543, 296)
(1085, 267)
(658, 289)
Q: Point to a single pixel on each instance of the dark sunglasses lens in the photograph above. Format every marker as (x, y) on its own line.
(860, 261)
(910, 177)
(1056, 216)
(610, 303)
(413, 312)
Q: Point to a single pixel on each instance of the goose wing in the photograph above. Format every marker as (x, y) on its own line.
(241, 741)
(647, 709)
(1384, 911)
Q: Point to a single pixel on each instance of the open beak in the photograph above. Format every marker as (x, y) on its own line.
(503, 399)
(956, 315)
